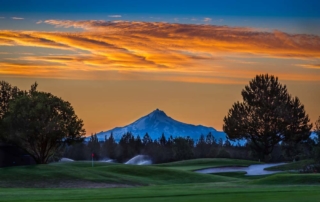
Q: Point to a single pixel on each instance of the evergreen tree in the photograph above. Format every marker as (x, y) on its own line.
(201, 147)
(146, 140)
(138, 145)
(163, 140)
(267, 115)
(126, 147)
(227, 144)
(94, 147)
(109, 147)
(317, 145)
(183, 148)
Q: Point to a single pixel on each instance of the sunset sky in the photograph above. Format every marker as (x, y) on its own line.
(116, 61)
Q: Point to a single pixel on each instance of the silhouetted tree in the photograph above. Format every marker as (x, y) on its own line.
(163, 140)
(77, 151)
(201, 149)
(94, 147)
(317, 141)
(267, 116)
(138, 145)
(41, 124)
(183, 148)
(223, 153)
(7, 93)
(126, 147)
(109, 147)
(227, 144)
(146, 140)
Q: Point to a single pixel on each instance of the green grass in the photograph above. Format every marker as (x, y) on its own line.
(54, 174)
(289, 179)
(164, 182)
(240, 175)
(188, 192)
(196, 164)
(292, 166)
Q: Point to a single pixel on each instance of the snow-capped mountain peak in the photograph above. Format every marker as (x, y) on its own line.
(156, 123)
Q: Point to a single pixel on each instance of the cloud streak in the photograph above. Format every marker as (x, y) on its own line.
(173, 50)
(17, 18)
(114, 16)
(207, 20)
(310, 66)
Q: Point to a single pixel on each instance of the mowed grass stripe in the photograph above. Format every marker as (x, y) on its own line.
(289, 179)
(169, 193)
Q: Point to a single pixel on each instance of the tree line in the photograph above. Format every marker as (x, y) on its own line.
(170, 149)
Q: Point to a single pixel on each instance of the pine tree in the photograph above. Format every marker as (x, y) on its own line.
(267, 115)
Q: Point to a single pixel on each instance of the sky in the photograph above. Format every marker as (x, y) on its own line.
(116, 61)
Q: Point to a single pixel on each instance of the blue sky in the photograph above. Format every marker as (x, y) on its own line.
(271, 8)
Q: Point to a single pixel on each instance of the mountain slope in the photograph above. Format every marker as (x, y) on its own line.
(156, 123)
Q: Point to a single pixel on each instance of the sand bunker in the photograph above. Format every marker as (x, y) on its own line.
(251, 170)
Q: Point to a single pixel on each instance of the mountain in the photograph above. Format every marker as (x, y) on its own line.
(156, 123)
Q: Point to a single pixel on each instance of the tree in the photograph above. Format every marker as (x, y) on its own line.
(41, 124)
(163, 140)
(109, 147)
(127, 147)
(201, 148)
(267, 116)
(7, 93)
(146, 140)
(94, 147)
(183, 148)
(317, 147)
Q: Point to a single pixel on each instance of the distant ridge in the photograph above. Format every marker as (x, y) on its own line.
(156, 123)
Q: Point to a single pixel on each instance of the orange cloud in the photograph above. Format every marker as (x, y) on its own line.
(310, 66)
(208, 37)
(177, 50)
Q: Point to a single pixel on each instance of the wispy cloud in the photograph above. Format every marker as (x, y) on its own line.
(184, 52)
(2, 17)
(17, 18)
(222, 38)
(310, 66)
(114, 16)
(207, 20)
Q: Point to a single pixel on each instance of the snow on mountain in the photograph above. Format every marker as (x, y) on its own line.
(156, 123)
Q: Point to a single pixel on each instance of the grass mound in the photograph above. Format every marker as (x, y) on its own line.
(288, 179)
(53, 175)
(291, 166)
(196, 164)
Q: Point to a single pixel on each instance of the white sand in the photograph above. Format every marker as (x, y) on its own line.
(251, 170)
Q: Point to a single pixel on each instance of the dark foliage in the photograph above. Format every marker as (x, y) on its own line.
(268, 115)
(39, 123)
